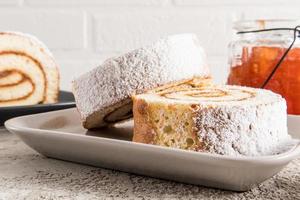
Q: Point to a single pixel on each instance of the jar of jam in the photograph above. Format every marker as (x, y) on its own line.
(260, 47)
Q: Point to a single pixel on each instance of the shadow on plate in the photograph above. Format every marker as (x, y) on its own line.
(122, 131)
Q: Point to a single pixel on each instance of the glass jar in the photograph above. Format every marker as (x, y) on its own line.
(253, 56)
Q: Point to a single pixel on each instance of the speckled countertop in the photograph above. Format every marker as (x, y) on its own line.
(24, 174)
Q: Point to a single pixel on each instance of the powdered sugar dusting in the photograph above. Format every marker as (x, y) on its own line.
(109, 86)
(244, 128)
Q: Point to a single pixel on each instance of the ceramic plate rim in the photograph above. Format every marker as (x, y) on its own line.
(15, 126)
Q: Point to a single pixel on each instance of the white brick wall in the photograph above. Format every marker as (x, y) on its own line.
(58, 29)
(82, 33)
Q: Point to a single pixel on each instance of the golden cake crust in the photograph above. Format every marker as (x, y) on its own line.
(145, 128)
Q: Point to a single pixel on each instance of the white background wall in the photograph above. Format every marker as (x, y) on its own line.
(81, 33)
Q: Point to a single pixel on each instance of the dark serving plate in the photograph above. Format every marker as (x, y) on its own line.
(65, 100)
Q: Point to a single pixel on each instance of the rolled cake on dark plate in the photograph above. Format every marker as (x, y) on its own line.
(28, 72)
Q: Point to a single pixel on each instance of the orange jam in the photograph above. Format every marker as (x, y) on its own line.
(257, 64)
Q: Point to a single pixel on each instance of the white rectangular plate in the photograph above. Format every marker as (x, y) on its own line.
(59, 134)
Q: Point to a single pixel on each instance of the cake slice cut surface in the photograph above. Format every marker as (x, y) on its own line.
(28, 72)
(226, 120)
